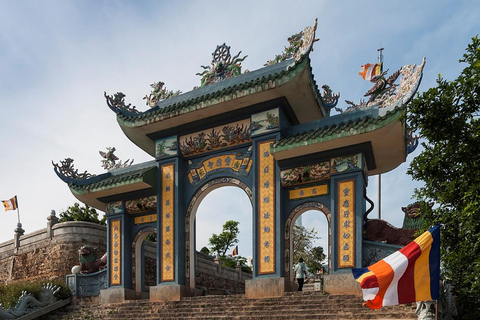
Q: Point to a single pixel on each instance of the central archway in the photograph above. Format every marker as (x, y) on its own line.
(191, 215)
(297, 212)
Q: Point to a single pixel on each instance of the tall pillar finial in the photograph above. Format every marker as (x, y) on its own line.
(16, 237)
(380, 55)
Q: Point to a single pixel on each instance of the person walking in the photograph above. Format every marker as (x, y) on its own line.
(300, 273)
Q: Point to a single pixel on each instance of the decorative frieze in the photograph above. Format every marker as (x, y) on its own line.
(141, 205)
(114, 207)
(264, 122)
(346, 163)
(306, 174)
(166, 147)
(219, 137)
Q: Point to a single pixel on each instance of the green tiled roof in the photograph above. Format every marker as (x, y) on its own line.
(144, 172)
(242, 85)
(336, 127)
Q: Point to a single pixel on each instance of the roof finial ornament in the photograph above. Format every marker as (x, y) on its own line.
(108, 162)
(412, 141)
(330, 98)
(222, 67)
(159, 93)
(385, 93)
(301, 44)
(117, 102)
(66, 169)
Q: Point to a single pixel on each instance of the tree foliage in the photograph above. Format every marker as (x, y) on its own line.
(447, 119)
(303, 248)
(205, 250)
(232, 262)
(78, 213)
(222, 242)
(314, 259)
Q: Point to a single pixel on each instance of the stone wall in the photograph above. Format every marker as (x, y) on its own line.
(218, 279)
(49, 253)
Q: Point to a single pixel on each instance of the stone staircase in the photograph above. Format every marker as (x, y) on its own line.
(297, 305)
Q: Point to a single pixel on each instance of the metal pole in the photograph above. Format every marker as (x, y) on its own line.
(379, 196)
(380, 60)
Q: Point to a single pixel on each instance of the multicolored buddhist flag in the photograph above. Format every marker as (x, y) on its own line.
(408, 275)
(10, 204)
(235, 251)
(370, 70)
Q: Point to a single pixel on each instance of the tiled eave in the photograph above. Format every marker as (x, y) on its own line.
(289, 79)
(120, 181)
(382, 129)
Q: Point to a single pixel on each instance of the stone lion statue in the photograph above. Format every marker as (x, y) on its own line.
(87, 256)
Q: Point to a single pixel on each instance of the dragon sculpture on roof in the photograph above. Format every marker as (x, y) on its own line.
(159, 93)
(300, 44)
(67, 170)
(109, 160)
(386, 93)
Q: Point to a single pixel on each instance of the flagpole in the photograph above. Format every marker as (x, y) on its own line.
(379, 191)
(18, 214)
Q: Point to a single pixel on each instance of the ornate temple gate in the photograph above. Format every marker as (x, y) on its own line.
(334, 185)
(268, 132)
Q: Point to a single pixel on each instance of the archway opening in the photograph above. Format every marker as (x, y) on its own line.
(305, 218)
(315, 248)
(211, 208)
(144, 264)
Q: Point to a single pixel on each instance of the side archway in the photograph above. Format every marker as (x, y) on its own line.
(297, 212)
(190, 220)
(138, 263)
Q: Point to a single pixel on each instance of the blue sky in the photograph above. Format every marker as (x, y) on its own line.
(58, 57)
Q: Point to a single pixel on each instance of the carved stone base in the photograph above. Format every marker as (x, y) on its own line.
(265, 287)
(171, 292)
(341, 283)
(117, 295)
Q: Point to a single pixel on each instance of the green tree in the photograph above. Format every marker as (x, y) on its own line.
(314, 259)
(205, 250)
(302, 243)
(447, 119)
(78, 213)
(222, 242)
(232, 262)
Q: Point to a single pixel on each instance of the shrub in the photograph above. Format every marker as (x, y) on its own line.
(9, 293)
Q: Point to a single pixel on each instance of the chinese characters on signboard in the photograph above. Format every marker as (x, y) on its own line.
(346, 224)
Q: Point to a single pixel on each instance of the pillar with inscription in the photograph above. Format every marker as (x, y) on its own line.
(348, 206)
(119, 266)
(268, 279)
(170, 238)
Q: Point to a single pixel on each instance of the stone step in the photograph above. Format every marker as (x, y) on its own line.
(296, 305)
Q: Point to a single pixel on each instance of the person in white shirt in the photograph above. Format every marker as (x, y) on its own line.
(300, 273)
